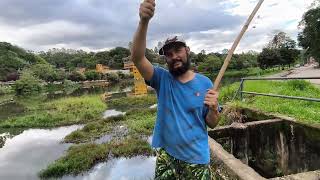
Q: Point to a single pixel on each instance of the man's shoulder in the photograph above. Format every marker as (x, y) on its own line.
(203, 77)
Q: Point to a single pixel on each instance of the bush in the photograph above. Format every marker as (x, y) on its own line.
(113, 77)
(69, 86)
(5, 90)
(27, 84)
(76, 76)
(92, 75)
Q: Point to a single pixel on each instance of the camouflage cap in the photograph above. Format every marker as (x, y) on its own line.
(171, 41)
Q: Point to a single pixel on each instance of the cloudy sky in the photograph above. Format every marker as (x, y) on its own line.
(95, 25)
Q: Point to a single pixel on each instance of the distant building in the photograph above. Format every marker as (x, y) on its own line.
(102, 69)
(81, 70)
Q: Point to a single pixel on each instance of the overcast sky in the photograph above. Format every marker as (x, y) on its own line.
(94, 25)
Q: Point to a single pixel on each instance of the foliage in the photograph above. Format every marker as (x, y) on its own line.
(27, 84)
(69, 86)
(300, 110)
(60, 112)
(45, 72)
(113, 77)
(128, 103)
(76, 76)
(92, 75)
(211, 63)
(6, 90)
(309, 37)
(81, 158)
(268, 58)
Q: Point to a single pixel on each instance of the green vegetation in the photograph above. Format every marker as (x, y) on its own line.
(94, 130)
(128, 103)
(301, 110)
(28, 84)
(80, 158)
(66, 111)
(6, 90)
(309, 37)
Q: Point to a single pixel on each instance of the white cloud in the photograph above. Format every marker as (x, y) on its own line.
(211, 25)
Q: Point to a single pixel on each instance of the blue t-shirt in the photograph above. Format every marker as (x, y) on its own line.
(180, 127)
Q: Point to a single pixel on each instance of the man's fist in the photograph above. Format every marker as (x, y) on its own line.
(146, 10)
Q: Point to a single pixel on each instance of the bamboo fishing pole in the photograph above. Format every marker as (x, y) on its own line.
(234, 46)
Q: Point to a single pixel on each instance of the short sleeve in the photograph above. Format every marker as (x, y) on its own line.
(155, 81)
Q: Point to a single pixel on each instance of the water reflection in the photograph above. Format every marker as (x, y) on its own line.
(24, 155)
(112, 112)
(121, 169)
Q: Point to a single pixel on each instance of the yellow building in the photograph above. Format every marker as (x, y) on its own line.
(102, 69)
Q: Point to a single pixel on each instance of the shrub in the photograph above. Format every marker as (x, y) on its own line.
(27, 84)
(92, 75)
(113, 77)
(76, 76)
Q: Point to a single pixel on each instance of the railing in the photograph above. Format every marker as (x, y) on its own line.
(241, 92)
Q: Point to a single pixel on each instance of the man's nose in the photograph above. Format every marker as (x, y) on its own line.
(174, 55)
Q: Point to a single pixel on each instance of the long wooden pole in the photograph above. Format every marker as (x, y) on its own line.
(234, 46)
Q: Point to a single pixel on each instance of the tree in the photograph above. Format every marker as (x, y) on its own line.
(309, 38)
(45, 72)
(268, 58)
(27, 84)
(211, 63)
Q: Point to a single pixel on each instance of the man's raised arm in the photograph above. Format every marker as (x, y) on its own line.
(139, 41)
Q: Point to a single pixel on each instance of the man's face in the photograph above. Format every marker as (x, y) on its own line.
(178, 61)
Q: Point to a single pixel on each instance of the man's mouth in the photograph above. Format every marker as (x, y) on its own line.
(177, 64)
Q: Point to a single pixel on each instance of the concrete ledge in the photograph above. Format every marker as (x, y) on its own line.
(233, 166)
(310, 175)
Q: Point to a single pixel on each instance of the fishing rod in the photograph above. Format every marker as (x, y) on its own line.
(234, 46)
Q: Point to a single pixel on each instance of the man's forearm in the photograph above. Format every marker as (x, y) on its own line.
(139, 42)
(212, 118)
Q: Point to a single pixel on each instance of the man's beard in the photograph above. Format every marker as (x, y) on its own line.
(180, 70)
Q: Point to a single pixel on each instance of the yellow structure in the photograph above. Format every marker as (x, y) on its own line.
(102, 69)
(140, 87)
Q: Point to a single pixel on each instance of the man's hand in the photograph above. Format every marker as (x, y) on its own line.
(146, 11)
(211, 99)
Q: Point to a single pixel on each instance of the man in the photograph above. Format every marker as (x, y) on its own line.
(186, 104)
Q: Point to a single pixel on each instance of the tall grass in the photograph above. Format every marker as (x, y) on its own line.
(65, 111)
(301, 110)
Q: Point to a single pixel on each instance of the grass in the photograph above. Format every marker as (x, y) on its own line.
(127, 103)
(305, 111)
(81, 158)
(93, 130)
(256, 72)
(138, 121)
(61, 112)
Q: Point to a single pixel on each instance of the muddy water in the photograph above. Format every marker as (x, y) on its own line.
(24, 155)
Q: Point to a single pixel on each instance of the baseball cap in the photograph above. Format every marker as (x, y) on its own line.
(170, 42)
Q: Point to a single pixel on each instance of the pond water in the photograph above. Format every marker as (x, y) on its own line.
(139, 167)
(25, 152)
(273, 149)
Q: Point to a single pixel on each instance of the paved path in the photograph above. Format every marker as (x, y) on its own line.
(303, 71)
